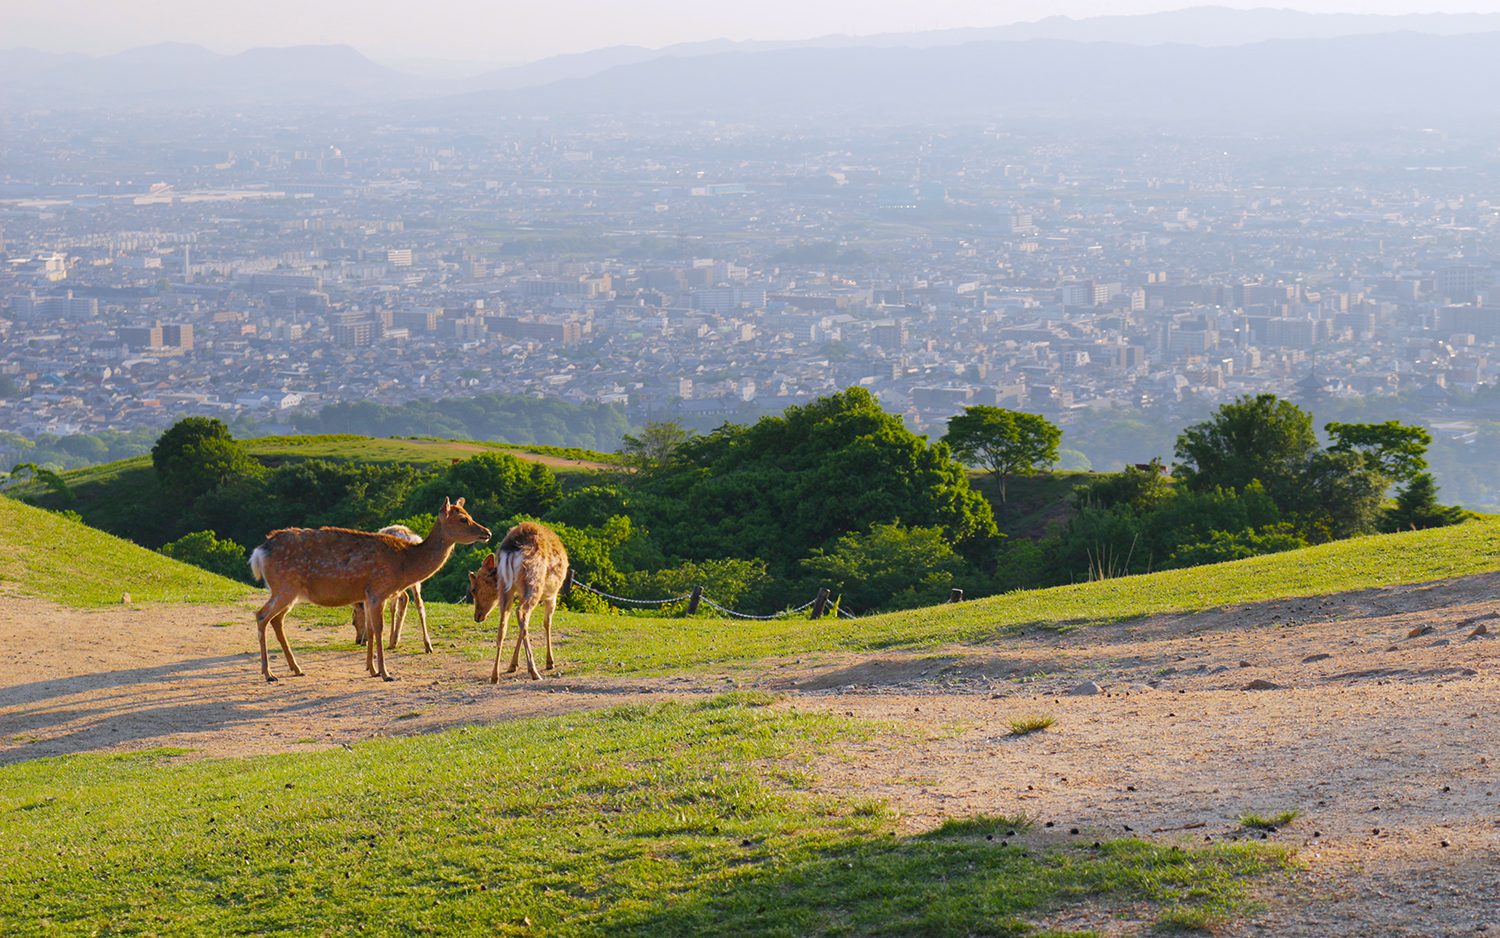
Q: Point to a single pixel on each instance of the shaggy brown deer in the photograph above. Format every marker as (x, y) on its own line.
(528, 569)
(412, 595)
(339, 567)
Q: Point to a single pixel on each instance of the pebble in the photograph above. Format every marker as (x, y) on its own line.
(1086, 689)
(1262, 684)
(1478, 631)
(1311, 658)
(1244, 664)
(1419, 630)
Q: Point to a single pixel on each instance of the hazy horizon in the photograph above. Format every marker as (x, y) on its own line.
(453, 34)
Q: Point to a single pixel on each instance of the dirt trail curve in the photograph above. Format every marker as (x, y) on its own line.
(1388, 742)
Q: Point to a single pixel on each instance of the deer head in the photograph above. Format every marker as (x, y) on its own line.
(457, 526)
(484, 588)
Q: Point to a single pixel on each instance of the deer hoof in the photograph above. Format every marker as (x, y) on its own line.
(389, 677)
(270, 679)
(298, 673)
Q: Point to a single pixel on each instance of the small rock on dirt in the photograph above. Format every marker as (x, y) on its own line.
(1262, 684)
(1086, 689)
(1311, 658)
(1478, 631)
(1419, 631)
(1244, 664)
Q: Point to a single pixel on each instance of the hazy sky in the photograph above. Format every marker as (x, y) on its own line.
(506, 31)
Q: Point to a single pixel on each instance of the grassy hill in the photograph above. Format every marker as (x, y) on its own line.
(107, 494)
(48, 555)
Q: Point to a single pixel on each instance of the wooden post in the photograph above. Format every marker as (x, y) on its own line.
(694, 600)
(567, 586)
(955, 595)
(820, 604)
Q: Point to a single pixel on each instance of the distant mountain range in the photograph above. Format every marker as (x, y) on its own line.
(1200, 61)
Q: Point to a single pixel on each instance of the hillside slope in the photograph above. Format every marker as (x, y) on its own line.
(48, 555)
(108, 495)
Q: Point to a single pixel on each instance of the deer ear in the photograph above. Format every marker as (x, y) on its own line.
(460, 502)
(473, 578)
(489, 562)
(447, 505)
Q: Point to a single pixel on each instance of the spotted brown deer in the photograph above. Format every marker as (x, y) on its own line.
(528, 569)
(412, 595)
(339, 567)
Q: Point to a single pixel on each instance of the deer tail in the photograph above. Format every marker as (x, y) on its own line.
(258, 563)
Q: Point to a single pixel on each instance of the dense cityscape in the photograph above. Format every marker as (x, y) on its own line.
(702, 271)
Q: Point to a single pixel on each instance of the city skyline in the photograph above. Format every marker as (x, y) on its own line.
(456, 35)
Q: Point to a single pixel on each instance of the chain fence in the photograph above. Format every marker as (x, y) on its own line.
(830, 605)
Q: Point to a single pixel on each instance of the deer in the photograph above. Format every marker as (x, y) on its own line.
(527, 570)
(340, 567)
(410, 595)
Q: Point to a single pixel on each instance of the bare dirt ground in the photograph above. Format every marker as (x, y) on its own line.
(1387, 742)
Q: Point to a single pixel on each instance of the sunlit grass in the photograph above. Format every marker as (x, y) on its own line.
(666, 820)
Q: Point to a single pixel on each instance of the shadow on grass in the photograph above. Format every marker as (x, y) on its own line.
(954, 881)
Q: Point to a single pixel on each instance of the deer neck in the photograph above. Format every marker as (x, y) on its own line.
(428, 557)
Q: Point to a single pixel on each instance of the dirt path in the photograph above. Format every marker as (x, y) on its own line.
(1387, 742)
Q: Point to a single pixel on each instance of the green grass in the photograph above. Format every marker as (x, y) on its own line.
(45, 554)
(667, 820)
(629, 644)
(1268, 822)
(1032, 723)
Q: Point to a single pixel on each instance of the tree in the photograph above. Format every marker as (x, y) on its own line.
(1417, 507)
(205, 549)
(196, 455)
(889, 566)
(1006, 442)
(655, 446)
(1339, 497)
(496, 486)
(1396, 450)
(784, 485)
(1261, 437)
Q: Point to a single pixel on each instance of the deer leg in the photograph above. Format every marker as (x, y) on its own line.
(547, 627)
(398, 617)
(286, 648)
(416, 592)
(371, 647)
(274, 607)
(359, 623)
(523, 618)
(376, 624)
(500, 640)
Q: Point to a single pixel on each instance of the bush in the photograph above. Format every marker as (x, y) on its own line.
(205, 549)
(889, 566)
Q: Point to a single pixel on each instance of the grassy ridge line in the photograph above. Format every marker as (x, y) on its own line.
(625, 644)
(660, 821)
(44, 554)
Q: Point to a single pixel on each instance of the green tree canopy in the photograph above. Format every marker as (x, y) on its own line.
(1396, 450)
(497, 486)
(784, 485)
(1006, 442)
(655, 446)
(889, 566)
(1261, 437)
(197, 454)
(1417, 507)
(214, 554)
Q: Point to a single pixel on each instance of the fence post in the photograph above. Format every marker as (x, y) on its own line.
(567, 586)
(955, 595)
(820, 604)
(694, 600)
